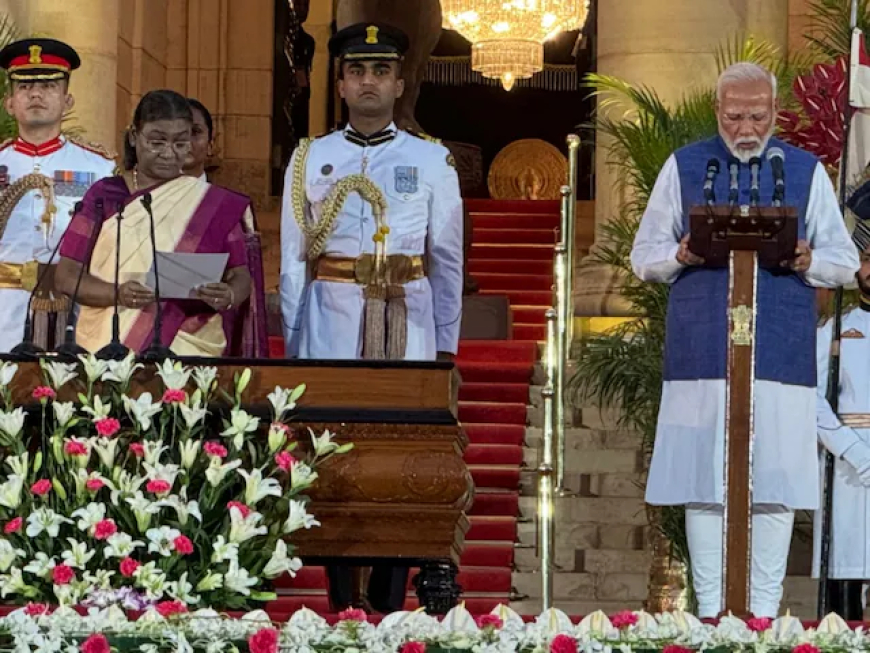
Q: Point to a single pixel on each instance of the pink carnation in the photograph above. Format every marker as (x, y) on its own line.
(174, 396)
(62, 575)
(486, 620)
(264, 641)
(128, 567)
(242, 508)
(284, 460)
(758, 624)
(94, 484)
(183, 545)
(75, 448)
(43, 392)
(353, 614)
(158, 486)
(13, 526)
(563, 644)
(96, 644)
(215, 449)
(107, 427)
(41, 488)
(169, 608)
(623, 619)
(413, 647)
(805, 648)
(138, 449)
(673, 648)
(280, 426)
(105, 529)
(36, 609)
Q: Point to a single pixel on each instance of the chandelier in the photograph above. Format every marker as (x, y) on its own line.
(507, 36)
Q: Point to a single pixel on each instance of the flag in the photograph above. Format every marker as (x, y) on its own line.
(859, 99)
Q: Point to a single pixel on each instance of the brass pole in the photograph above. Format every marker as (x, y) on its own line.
(545, 470)
(570, 230)
(562, 305)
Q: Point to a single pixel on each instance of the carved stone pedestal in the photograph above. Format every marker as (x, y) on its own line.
(436, 586)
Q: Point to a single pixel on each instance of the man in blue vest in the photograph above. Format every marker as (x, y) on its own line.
(687, 462)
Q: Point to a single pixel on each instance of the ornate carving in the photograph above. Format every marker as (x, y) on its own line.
(741, 321)
(436, 586)
(527, 169)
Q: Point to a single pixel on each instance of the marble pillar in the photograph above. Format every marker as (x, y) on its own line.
(669, 46)
(318, 25)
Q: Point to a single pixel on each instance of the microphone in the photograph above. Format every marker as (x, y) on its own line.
(712, 171)
(70, 350)
(27, 349)
(116, 350)
(754, 167)
(733, 188)
(157, 352)
(777, 160)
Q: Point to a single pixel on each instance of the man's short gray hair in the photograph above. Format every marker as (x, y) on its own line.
(744, 71)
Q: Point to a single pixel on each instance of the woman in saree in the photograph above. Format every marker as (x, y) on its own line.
(190, 215)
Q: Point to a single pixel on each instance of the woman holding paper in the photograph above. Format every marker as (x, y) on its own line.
(189, 216)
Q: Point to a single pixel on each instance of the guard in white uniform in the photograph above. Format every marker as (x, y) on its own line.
(847, 436)
(43, 174)
(371, 246)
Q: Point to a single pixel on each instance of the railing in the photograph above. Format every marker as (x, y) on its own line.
(560, 333)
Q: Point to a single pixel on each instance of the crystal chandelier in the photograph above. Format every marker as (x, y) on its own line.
(507, 36)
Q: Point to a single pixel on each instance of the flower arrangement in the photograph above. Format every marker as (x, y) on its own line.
(173, 503)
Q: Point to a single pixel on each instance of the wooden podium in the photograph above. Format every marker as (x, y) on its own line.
(742, 238)
(400, 494)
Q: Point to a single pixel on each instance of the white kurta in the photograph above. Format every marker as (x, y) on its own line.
(24, 239)
(687, 461)
(851, 528)
(323, 319)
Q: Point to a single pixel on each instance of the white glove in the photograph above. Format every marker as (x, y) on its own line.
(858, 456)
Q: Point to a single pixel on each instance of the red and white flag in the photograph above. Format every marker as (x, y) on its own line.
(859, 98)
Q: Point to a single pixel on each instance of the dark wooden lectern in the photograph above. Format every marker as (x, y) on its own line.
(741, 238)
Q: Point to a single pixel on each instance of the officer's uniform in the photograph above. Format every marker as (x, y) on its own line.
(358, 283)
(39, 187)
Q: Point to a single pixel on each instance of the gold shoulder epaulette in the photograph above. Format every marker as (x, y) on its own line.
(425, 136)
(91, 147)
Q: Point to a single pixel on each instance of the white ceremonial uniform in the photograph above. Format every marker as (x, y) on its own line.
(73, 168)
(324, 319)
(850, 551)
(688, 457)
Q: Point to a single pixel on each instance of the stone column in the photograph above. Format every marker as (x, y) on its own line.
(320, 18)
(91, 27)
(669, 46)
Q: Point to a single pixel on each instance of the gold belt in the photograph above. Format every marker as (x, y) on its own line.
(856, 420)
(21, 276)
(400, 269)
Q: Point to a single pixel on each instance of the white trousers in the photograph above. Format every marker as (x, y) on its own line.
(771, 538)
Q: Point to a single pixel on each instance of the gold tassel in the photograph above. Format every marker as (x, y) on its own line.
(397, 323)
(374, 322)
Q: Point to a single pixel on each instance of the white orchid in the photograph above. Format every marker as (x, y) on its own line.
(93, 366)
(59, 373)
(216, 472)
(7, 373)
(223, 550)
(10, 492)
(204, 377)
(194, 413)
(188, 451)
(121, 545)
(175, 376)
(162, 540)
(280, 564)
(142, 409)
(41, 565)
(238, 580)
(284, 400)
(258, 488)
(12, 423)
(8, 554)
(99, 410)
(45, 520)
(90, 516)
(322, 444)
(240, 424)
(107, 449)
(182, 508)
(243, 529)
(210, 582)
(301, 475)
(64, 411)
(298, 518)
(78, 555)
(20, 465)
(122, 371)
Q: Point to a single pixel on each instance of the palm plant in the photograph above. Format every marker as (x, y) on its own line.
(830, 34)
(8, 33)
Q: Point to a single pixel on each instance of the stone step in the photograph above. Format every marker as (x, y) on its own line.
(602, 561)
(535, 416)
(595, 461)
(581, 537)
(583, 510)
(585, 439)
(584, 587)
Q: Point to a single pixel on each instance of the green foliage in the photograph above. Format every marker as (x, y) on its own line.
(830, 33)
(8, 33)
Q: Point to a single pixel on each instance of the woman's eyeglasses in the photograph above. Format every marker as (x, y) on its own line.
(179, 148)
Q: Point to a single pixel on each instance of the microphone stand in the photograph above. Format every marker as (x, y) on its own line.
(116, 350)
(157, 352)
(70, 350)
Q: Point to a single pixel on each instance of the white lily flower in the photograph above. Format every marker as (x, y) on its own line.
(90, 516)
(12, 423)
(126, 485)
(301, 475)
(142, 509)
(121, 545)
(13, 583)
(82, 477)
(162, 540)
(45, 520)
(155, 586)
(59, 373)
(183, 509)
(323, 444)
(94, 367)
(122, 371)
(175, 376)
(20, 465)
(99, 410)
(10, 492)
(224, 550)
(145, 573)
(258, 488)
(298, 518)
(8, 554)
(101, 580)
(281, 402)
(64, 411)
(7, 373)
(193, 414)
(238, 580)
(189, 450)
(142, 409)
(210, 582)
(161, 472)
(280, 564)
(216, 471)
(107, 449)
(277, 437)
(240, 424)
(204, 378)
(78, 555)
(243, 529)
(153, 451)
(41, 565)
(183, 590)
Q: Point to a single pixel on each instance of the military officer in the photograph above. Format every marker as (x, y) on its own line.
(43, 173)
(371, 239)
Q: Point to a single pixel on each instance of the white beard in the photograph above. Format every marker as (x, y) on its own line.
(744, 155)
